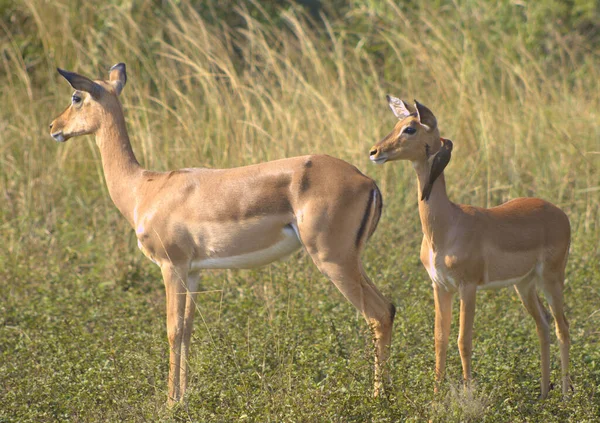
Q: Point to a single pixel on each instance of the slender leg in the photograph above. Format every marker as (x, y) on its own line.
(382, 324)
(175, 287)
(553, 289)
(188, 327)
(534, 306)
(443, 318)
(465, 337)
(335, 250)
(376, 309)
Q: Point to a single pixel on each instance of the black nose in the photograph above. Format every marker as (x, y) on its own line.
(373, 152)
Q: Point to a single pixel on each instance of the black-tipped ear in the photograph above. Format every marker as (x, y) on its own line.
(426, 116)
(118, 77)
(400, 109)
(80, 82)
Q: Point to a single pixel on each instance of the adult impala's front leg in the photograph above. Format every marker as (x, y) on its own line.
(443, 318)
(175, 279)
(188, 328)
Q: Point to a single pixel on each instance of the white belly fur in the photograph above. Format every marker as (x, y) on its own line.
(289, 243)
(507, 282)
(441, 277)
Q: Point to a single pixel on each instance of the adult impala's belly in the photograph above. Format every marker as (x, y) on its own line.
(249, 249)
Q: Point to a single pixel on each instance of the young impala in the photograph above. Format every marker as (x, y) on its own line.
(523, 243)
(192, 219)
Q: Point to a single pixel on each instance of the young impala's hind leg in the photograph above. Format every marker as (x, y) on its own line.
(534, 306)
(553, 290)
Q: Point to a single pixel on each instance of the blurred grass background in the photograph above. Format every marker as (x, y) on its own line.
(514, 84)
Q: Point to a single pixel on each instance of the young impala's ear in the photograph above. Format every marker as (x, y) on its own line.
(118, 77)
(400, 109)
(81, 83)
(426, 116)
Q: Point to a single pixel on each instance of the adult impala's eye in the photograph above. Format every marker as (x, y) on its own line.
(76, 99)
(409, 130)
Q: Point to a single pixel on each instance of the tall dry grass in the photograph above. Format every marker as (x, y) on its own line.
(208, 95)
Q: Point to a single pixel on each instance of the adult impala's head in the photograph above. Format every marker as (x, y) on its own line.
(90, 102)
(415, 136)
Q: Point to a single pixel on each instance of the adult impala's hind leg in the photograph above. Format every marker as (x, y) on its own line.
(175, 279)
(379, 313)
(334, 235)
(534, 306)
(553, 290)
(382, 324)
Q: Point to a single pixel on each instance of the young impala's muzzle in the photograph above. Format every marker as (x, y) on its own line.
(377, 156)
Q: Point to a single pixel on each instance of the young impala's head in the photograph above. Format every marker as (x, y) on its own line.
(90, 102)
(415, 136)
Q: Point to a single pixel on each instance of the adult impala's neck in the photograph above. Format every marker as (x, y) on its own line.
(437, 212)
(121, 169)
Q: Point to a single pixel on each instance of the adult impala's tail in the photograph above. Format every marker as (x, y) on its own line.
(371, 218)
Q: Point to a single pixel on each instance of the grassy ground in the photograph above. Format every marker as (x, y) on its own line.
(82, 321)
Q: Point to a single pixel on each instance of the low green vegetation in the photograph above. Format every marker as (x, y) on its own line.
(515, 85)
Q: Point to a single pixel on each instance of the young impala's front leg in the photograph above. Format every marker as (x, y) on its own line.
(443, 317)
(175, 287)
(465, 337)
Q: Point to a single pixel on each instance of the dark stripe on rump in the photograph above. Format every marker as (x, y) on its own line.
(393, 311)
(378, 212)
(365, 219)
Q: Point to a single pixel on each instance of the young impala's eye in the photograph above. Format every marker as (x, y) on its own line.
(409, 130)
(76, 99)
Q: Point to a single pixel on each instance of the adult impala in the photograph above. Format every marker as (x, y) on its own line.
(523, 243)
(193, 219)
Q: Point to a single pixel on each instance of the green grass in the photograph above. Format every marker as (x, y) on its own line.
(82, 319)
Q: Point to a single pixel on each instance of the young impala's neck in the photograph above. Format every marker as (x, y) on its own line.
(121, 169)
(437, 212)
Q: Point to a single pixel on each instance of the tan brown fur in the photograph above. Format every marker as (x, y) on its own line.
(190, 219)
(524, 242)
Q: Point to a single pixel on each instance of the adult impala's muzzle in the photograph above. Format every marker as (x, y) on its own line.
(58, 135)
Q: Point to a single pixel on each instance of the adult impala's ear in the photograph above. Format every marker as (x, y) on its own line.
(81, 83)
(400, 108)
(118, 77)
(426, 116)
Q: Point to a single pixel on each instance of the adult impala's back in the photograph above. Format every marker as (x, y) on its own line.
(193, 219)
(524, 242)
